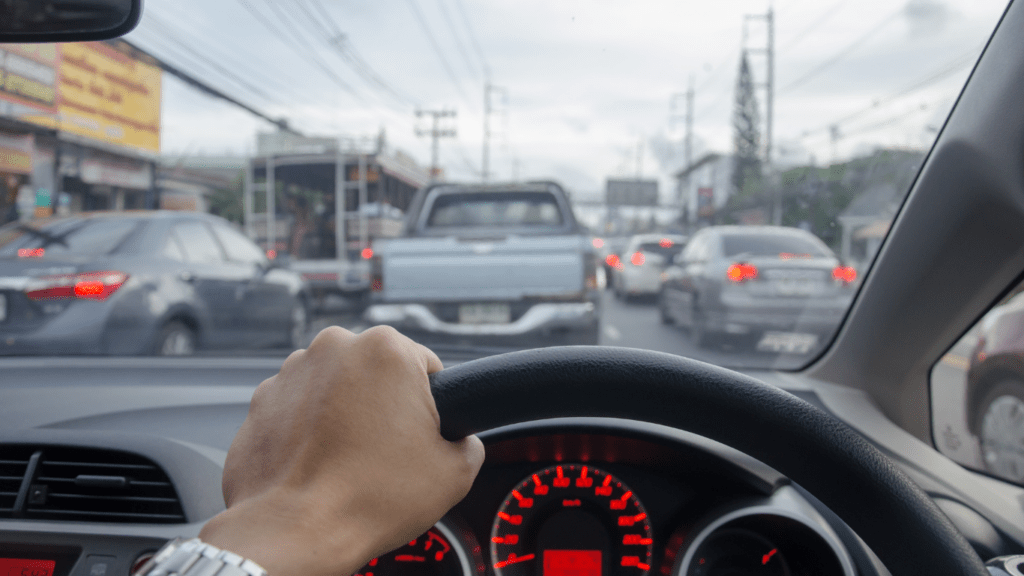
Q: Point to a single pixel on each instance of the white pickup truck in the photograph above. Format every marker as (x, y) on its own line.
(489, 265)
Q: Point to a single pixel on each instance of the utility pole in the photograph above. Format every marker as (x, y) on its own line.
(486, 153)
(436, 133)
(640, 158)
(769, 87)
(687, 118)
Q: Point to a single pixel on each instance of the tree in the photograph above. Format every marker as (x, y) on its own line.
(746, 122)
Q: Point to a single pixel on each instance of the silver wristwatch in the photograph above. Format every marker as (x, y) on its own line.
(181, 557)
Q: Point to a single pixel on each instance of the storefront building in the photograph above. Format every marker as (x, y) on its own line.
(79, 129)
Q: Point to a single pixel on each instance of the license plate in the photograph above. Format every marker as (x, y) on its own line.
(485, 314)
(3, 307)
(787, 342)
(797, 287)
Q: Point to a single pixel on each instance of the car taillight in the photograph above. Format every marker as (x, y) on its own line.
(845, 274)
(740, 272)
(597, 242)
(376, 274)
(637, 259)
(85, 286)
(666, 243)
(367, 253)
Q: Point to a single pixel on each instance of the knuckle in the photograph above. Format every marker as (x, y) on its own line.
(259, 395)
(383, 340)
(330, 337)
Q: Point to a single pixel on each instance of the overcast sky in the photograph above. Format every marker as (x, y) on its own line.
(588, 83)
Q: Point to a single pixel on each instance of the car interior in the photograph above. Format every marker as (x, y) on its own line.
(828, 469)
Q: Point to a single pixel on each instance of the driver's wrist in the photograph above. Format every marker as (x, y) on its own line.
(289, 536)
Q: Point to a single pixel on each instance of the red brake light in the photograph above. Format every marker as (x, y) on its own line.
(614, 261)
(739, 272)
(665, 243)
(597, 242)
(31, 252)
(367, 253)
(271, 254)
(86, 286)
(637, 259)
(846, 274)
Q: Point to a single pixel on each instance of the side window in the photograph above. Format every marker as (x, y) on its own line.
(977, 393)
(199, 244)
(695, 251)
(237, 247)
(172, 249)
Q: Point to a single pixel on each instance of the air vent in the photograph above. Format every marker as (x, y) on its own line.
(93, 485)
(13, 465)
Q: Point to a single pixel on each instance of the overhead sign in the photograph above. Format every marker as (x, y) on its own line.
(631, 192)
(109, 96)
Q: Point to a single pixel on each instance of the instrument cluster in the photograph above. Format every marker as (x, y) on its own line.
(604, 505)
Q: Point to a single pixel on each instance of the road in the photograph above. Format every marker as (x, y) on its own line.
(633, 324)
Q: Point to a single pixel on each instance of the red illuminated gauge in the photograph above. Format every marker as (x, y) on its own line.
(571, 520)
(436, 553)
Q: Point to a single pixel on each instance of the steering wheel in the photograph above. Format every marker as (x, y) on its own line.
(814, 449)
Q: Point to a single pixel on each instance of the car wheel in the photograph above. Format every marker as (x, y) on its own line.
(299, 325)
(1001, 430)
(663, 313)
(175, 339)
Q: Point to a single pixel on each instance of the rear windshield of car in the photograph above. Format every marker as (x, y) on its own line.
(666, 248)
(75, 236)
(495, 209)
(772, 245)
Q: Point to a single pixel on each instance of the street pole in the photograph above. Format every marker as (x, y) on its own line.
(271, 208)
(769, 86)
(435, 133)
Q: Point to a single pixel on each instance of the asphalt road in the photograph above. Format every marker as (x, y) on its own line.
(631, 324)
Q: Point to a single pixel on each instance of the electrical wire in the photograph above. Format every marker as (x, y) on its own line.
(799, 36)
(472, 38)
(843, 53)
(456, 37)
(437, 48)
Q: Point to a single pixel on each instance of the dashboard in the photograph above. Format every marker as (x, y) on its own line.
(560, 497)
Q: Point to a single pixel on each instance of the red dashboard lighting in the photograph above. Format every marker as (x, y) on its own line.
(768, 556)
(572, 563)
(26, 567)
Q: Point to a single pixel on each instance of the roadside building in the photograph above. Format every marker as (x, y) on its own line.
(704, 187)
(79, 128)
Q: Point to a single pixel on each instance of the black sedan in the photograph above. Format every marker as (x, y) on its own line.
(781, 289)
(131, 283)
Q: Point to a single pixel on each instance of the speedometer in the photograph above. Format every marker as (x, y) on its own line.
(571, 520)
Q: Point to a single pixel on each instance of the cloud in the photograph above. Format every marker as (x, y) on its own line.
(927, 16)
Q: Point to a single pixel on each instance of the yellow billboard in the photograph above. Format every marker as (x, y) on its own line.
(106, 95)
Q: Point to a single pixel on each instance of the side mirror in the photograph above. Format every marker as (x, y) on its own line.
(67, 20)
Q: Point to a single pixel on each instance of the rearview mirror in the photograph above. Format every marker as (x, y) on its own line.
(66, 20)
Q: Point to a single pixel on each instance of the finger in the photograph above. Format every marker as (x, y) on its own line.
(471, 451)
(433, 362)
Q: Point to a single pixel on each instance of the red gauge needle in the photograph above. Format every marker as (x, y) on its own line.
(768, 556)
(409, 558)
(513, 559)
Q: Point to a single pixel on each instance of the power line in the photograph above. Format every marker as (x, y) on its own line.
(437, 48)
(308, 52)
(843, 52)
(947, 69)
(472, 38)
(455, 36)
(799, 36)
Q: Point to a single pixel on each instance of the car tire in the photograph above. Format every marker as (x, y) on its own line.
(663, 313)
(175, 338)
(298, 325)
(1000, 420)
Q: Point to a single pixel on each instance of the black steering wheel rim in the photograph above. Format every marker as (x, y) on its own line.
(814, 449)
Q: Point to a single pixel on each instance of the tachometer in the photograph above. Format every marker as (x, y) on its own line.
(571, 520)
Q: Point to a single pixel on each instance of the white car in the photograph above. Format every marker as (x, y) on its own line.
(637, 270)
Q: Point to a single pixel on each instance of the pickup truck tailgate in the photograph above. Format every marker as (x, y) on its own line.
(506, 269)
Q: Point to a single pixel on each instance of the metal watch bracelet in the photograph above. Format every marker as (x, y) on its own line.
(181, 557)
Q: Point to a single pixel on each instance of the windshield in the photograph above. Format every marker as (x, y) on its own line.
(712, 180)
(500, 209)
